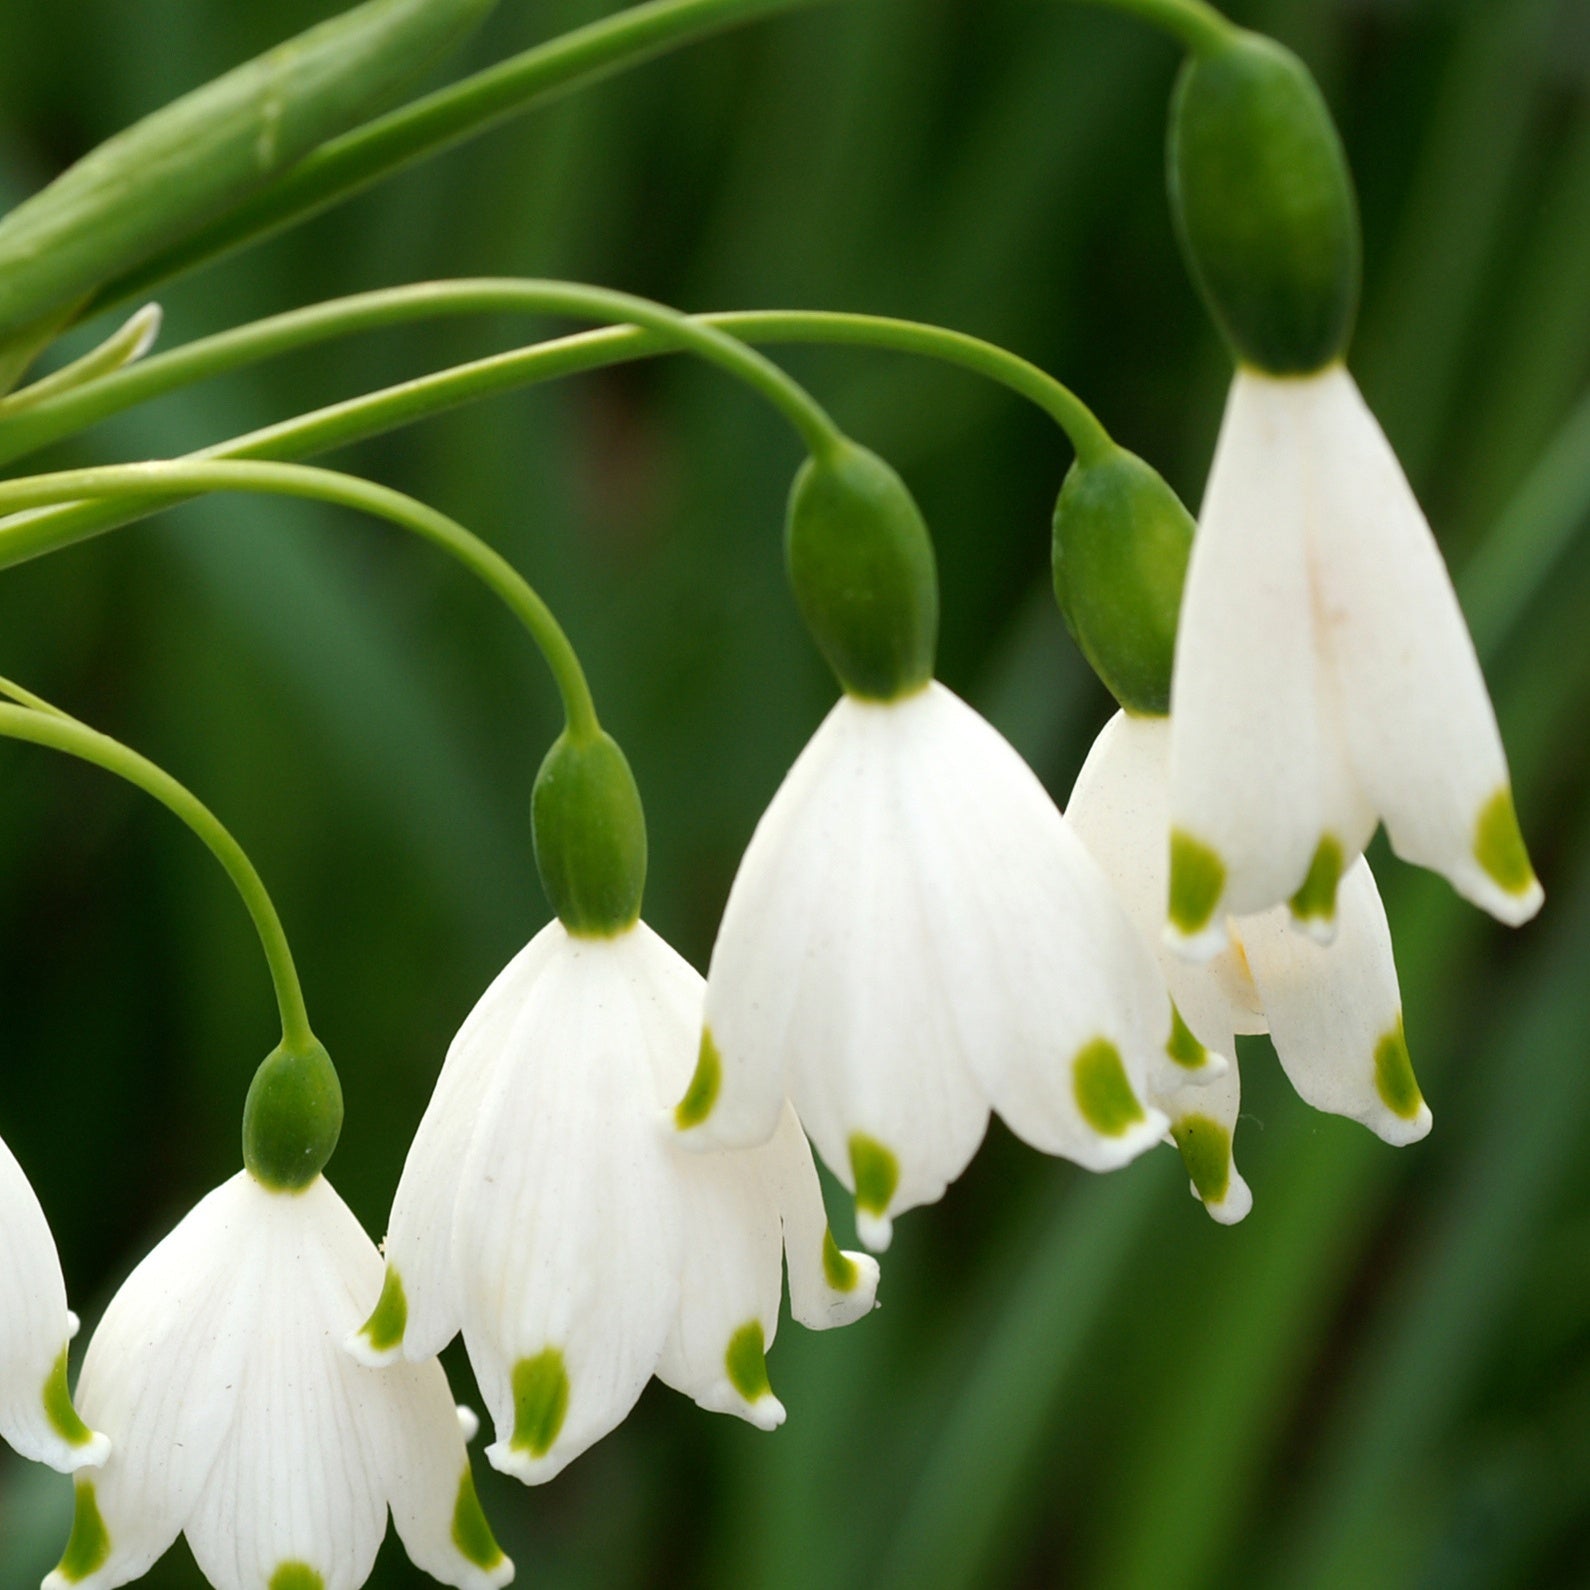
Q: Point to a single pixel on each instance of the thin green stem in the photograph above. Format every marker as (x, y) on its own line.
(1200, 27)
(185, 478)
(64, 414)
(42, 724)
(356, 160)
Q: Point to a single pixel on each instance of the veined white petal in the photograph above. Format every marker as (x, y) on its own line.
(1203, 1125)
(1335, 1012)
(780, 902)
(827, 1285)
(1119, 809)
(1245, 761)
(36, 1413)
(1419, 722)
(159, 1378)
(421, 1310)
(297, 1481)
(567, 1229)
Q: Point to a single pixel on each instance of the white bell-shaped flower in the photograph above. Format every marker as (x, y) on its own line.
(36, 1413)
(915, 936)
(547, 1212)
(1324, 679)
(238, 1420)
(1334, 1012)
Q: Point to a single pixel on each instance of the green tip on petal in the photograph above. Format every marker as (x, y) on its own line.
(1316, 900)
(1394, 1079)
(540, 1400)
(839, 1269)
(876, 1173)
(385, 1327)
(1197, 880)
(1183, 1047)
(746, 1362)
(1499, 845)
(89, 1546)
(471, 1533)
(1103, 1093)
(702, 1093)
(296, 1576)
(1205, 1147)
(63, 1417)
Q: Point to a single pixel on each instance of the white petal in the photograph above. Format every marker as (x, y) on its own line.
(827, 1286)
(1245, 764)
(36, 1414)
(1120, 810)
(835, 973)
(1335, 1012)
(297, 1479)
(424, 1312)
(567, 1230)
(1203, 1125)
(1419, 723)
(160, 1378)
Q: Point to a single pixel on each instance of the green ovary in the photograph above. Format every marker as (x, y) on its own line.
(296, 1576)
(1499, 845)
(1316, 900)
(385, 1327)
(1394, 1079)
(540, 1400)
(1103, 1092)
(58, 1407)
(702, 1093)
(1183, 1047)
(876, 1173)
(1205, 1147)
(746, 1362)
(1197, 880)
(471, 1533)
(840, 1271)
(89, 1545)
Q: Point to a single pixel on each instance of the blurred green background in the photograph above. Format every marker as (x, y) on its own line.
(1383, 1377)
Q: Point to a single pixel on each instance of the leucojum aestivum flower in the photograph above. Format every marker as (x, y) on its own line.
(615, 1178)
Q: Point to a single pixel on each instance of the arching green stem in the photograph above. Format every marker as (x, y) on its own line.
(1198, 26)
(185, 478)
(52, 417)
(42, 724)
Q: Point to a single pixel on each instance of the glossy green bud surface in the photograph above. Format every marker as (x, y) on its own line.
(590, 835)
(861, 562)
(1264, 205)
(1121, 543)
(293, 1117)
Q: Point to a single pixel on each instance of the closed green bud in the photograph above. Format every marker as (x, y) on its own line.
(590, 835)
(861, 561)
(293, 1117)
(1121, 542)
(1264, 204)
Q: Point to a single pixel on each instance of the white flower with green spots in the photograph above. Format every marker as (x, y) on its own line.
(915, 937)
(547, 1212)
(238, 1420)
(36, 1413)
(1333, 1011)
(1324, 679)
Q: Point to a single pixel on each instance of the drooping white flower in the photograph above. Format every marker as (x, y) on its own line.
(547, 1212)
(915, 936)
(36, 1413)
(238, 1420)
(1333, 1011)
(1324, 678)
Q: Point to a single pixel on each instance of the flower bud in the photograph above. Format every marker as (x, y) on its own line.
(590, 835)
(1264, 204)
(861, 562)
(1121, 542)
(293, 1117)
